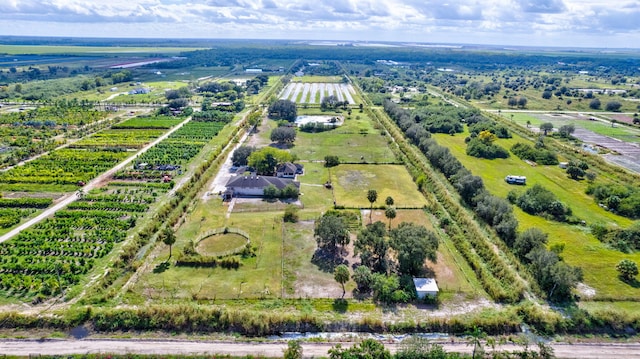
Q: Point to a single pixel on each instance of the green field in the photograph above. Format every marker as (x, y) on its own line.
(355, 141)
(581, 247)
(88, 50)
(351, 183)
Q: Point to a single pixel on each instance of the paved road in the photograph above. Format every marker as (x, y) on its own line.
(96, 182)
(272, 349)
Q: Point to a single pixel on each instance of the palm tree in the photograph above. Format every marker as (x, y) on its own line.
(372, 196)
(390, 213)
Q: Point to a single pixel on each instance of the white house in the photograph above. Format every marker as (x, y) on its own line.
(426, 287)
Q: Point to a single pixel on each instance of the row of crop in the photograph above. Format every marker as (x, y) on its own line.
(131, 138)
(25, 202)
(64, 166)
(9, 217)
(155, 122)
(136, 197)
(54, 254)
(496, 276)
(55, 115)
(181, 146)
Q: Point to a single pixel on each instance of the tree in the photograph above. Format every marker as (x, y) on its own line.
(529, 240)
(329, 103)
(390, 213)
(613, 106)
(546, 94)
(628, 269)
(546, 127)
(522, 102)
(512, 102)
(294, 350)
(371, 245)
(367, 349)
(594, 104)
(283, 110)
(331, 161)
(341, 275)
(475, 339)
(266, 159)
(331, 231)
(168, 238)
(241, 155)
(372, 196)
(283, 134)
(566, 130)
(528, 123)
(389, 201)
(364, 278)
(413, 244)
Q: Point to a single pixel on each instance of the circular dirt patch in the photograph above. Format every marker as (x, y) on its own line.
(221, 244)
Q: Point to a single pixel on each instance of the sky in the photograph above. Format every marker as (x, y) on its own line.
(565, 23)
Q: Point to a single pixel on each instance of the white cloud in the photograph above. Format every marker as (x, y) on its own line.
(539, 22)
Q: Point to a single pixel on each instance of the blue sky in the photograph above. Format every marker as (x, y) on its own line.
(575, 23)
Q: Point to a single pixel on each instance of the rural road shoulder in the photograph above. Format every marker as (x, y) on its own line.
(273, 349)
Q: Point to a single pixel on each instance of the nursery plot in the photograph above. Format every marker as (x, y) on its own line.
(174, 152)
(121, 138)
(60, 169)
(53, 255)
(313, 93)
(26, 134)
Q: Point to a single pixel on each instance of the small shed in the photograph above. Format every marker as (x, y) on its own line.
(426, 287)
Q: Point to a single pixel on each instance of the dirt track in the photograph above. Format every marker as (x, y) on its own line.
(120, 346)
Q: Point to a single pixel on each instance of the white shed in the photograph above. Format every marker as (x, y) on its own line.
(426, 287)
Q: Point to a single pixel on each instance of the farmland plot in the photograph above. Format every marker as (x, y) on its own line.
(312, 93)
(53, 255)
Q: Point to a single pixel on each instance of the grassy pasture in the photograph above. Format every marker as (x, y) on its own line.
(355, 141)
(352, 181)
(581, 247)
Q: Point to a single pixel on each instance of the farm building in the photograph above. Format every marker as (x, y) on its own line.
(253, 186)
(426, 287)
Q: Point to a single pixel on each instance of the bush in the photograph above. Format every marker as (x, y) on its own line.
(481, 149)
(539, 155)
(291, 214)
(539, 201)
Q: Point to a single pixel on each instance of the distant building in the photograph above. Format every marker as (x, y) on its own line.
(253, 71)
(286, 170)
(426, 287)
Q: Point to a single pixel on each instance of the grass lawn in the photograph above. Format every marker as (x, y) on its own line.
(352, 181)
(355, 141)
(258, 277)
(581, 247)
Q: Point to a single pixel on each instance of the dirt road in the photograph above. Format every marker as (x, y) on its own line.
(96, 182)
(176, 347)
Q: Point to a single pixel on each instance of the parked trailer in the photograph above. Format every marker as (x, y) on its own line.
(510, 179)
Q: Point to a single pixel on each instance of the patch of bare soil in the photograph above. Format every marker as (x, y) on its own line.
(585, 291)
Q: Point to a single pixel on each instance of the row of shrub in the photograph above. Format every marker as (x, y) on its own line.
(248, 321)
